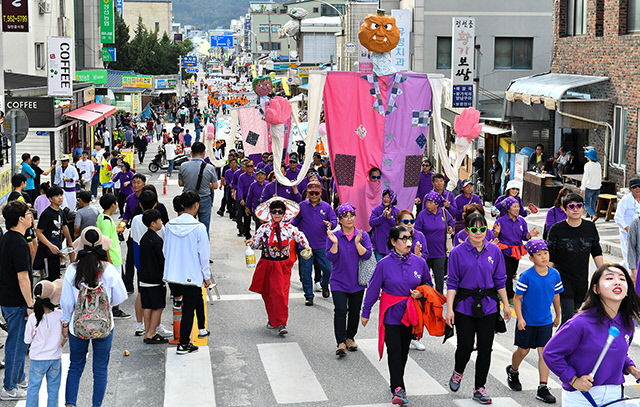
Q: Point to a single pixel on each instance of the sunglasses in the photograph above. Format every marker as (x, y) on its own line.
(426, 165)
(635, 187)
(277, 211)
(574, 206)
(249, 166)
(314, 193)
(348, 216)
(406, 238)
(477, 229)
(408, 221)
(376, 176)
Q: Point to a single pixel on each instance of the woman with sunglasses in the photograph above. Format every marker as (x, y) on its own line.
(555, 214)
(462, 236)
(345, 248)
(382, 219)
(398, 275)
(425, 184)
(475, 265)
(512, 190)
(436, 224)
(513, 230)
(571, 242)
(272, 277)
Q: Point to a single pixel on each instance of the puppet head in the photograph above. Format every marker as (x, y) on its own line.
(379, 33)
(262, 85)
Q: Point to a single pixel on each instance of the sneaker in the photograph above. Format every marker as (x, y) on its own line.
(120, 314)
(162, 331)
(342, 350)
(454, 381)
(140, 329)
(317, 287)
(351, 345)
(308, 301)
(325, 292)
(418, 345)
(188, 348)
(544, 395)
(399, 396)
(269, 326)
(177, 304)
(13, 394)
(23, 384)
(204, 335)
(282, 330)
(480, 395)
(513, 379)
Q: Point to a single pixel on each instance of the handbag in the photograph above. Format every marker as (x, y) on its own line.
(366, 269)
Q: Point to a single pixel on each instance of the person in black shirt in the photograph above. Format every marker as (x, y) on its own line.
(478, 164)
(16, 277)
(496, 177)
(19, 183)
(35, 162)
(571, 242)
(151, 286)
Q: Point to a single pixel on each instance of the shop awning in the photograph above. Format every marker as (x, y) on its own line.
(92, 114)
(547, 88)
(496, 131)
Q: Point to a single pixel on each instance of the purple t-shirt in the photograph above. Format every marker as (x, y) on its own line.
(132, 202)
(425, 184)
(310, 221)
(418, 236)
(124, 177)
(554, 215)
(292, 175)
(285, 192)
(460, 201)
(344, 263)
(244, 181)
(512, 232)
(503, 212)
(434, 228)
(253, 196)
(381, 226)
(462, 237)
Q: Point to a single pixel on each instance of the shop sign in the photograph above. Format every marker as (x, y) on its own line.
(5, 185)
(303, 71)
(60, 67)
(97, 76)
(89, 95)
(137, 81)
(15, 16)
(462, 61)
(39, 110)
(135, 103)
(107, 22)
(401, 55)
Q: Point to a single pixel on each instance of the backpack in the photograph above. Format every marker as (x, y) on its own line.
(92, 318)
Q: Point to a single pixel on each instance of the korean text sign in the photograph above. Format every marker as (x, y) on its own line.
(401, 55)
(107, 22)
(15, 16)
(462, 62)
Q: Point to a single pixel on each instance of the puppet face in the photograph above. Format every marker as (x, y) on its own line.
(379, 33)
(262, 85)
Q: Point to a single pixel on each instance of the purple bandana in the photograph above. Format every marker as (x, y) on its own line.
(434, 197)
(344, 208)
(392, 195)
(535, 245)
(507, 202)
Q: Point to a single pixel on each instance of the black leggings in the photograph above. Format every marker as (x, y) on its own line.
(468, 328)
(511, 267)
(191, 301)
(397, 338)
(346, 304)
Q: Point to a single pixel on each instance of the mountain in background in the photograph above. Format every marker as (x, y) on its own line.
(208, 14)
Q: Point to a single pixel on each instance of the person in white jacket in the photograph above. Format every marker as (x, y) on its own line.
(186, 251)
(628, 209)
(591, 183)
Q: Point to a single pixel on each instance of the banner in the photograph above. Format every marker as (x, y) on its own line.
(462, 60)
(60, 66)
(120, 7)
(137, 81)
(97, 76)
(5, 185)
(15, 16)
(401, 55)
(135, 103)
(107, 22)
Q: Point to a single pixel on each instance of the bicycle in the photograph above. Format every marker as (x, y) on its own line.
(478, 187)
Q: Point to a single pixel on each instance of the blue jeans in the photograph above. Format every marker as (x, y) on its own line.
(204, 212)
(38, 369)
(307, 271)
(15, 350)
(379, 256)
(170, 169)
(198, 134)
(78, 349)
(94, 188)
(591, 200)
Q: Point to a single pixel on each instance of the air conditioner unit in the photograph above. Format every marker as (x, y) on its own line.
(44, 7)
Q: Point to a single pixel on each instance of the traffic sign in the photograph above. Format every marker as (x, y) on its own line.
(192, 70)
(189, 61)
(108, 54)
(350, 47)
(222, 41)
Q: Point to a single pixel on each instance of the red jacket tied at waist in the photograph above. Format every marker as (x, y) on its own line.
(517, 252)
(431, 316)
(387, 301)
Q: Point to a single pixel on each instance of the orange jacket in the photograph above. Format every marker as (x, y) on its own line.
(431, 316)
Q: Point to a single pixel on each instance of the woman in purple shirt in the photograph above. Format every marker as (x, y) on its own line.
(126, 188)
(467, 197)
(344, 249)
(382, 219)
(475, 286)
(573, 351)
(555, 214)
(436, 224)
(512, 190)
(398, 275)
(425, 184)
(462, 236)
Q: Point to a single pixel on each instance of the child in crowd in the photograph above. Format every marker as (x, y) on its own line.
(537, 288)
(18, 184)
(42, 202)
(95, 179)
(51, 230)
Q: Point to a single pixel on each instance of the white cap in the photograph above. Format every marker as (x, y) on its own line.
(513, 184)
(64, 157)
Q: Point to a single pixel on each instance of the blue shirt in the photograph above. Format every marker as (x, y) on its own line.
(537, 295)
(28, 172)
(187, 139)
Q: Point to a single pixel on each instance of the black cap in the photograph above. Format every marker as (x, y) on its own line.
(634, 182)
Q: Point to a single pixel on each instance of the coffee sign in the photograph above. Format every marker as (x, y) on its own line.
(60, 69)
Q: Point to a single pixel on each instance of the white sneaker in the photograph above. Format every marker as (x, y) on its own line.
(23, 384)
(416, 344)
(140, 329)
(162, 331)
(13, 394)
(317, 287)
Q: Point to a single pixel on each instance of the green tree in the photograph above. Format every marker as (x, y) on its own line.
(123, 52)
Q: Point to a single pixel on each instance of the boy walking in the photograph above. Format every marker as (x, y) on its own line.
(538, 287)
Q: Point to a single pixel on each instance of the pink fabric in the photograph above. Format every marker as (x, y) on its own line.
(251, 120)
(409, 318)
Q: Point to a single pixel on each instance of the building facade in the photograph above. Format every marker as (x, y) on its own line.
(156, 15)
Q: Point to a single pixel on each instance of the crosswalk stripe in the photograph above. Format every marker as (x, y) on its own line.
(246, 297)
(370, 405)
(42, 395)
(189, 377)
(416, 380)
(291, 378)
(495, 402)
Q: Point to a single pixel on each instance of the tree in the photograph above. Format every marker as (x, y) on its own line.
(123, 55)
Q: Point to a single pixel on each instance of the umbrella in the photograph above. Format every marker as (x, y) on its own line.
(292, 209)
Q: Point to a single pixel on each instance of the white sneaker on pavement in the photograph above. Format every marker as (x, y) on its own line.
(162, 331)
(317, 287)
(23, 384)
(416, 344)
(13, 394)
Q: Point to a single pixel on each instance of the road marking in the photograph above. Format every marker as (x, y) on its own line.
(291, 378)
(495, 402)
(417, 381)
(189, 377)
(170, 181)
(42, 395)
(246, 297)
(370, 405)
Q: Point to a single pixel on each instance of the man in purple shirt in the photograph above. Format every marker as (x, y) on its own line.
(138, 182)
(274, 188)
(315, 217)
(252, 199)
(234, 189)
(448, 199)
(244, 182)
(425, 184)
(293, 170)
(264, 164)
(228, 181)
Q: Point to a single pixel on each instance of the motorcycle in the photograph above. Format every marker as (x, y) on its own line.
(158, 162)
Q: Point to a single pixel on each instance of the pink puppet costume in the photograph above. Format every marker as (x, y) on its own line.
(272, 277)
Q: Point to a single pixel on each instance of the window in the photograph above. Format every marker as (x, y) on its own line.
(264, 28)
(443, 53)
(265, 46)
(157, 26)
(316, 10)
(276, 46)
(633, 16)
(576, 17)
(513, 53)
(39, 55)
(283, 11)
(619, 137)
(327, 11)
(275, 27)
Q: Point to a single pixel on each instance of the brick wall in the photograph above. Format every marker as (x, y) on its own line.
(606, 50)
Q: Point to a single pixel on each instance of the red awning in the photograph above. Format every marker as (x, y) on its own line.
(92, 114)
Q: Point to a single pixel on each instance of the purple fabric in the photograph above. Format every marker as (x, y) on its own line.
(425, 184)
(381, 226)
(434, 228)
(462, 237)
(554, 215)
(344, 208)
(503, 212)
(254, 195)
(446, 196)
(267, 168)
(124, 177)
(535, 245)
(434, 197)
(460, 201)
(311, 219)
(234, 181)
(244, 182)
(285, 192)
(508, 202)
(398, 278)
(418, 236)
(469, 269)
(292, 175)
(344, 263)
(512, 232)
(132, 202)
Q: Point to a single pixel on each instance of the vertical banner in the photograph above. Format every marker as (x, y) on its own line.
(107, 22)
(135, 103)
(401, 55)
(364, 59)
(462, 61)
(15, 16)
(120, 7)
(60, 67)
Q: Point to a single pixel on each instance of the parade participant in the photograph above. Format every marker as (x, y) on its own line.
(512, 190)
(382, 219)
(628, 208)
(462, 236)
(538, 288)
(425, 184)
(264, 164)
(293, 170)
(66, 177)
(314, 219)
(398, 275)
(125, 176)
(244, 182)
(573, 351)
(186, 251)
(591, 183)
(272, 277)
(91, 269)
(228, 181)
(274, 188)
(476, 274)
(496, 177)
(253, 196)
(571, 242)
(236, 195)
(467, 197)
(345, 248)
(556, 213)
(513, 230)
(435, 223)
(448, 199)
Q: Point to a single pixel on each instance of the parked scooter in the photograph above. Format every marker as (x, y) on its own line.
(159, 162)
